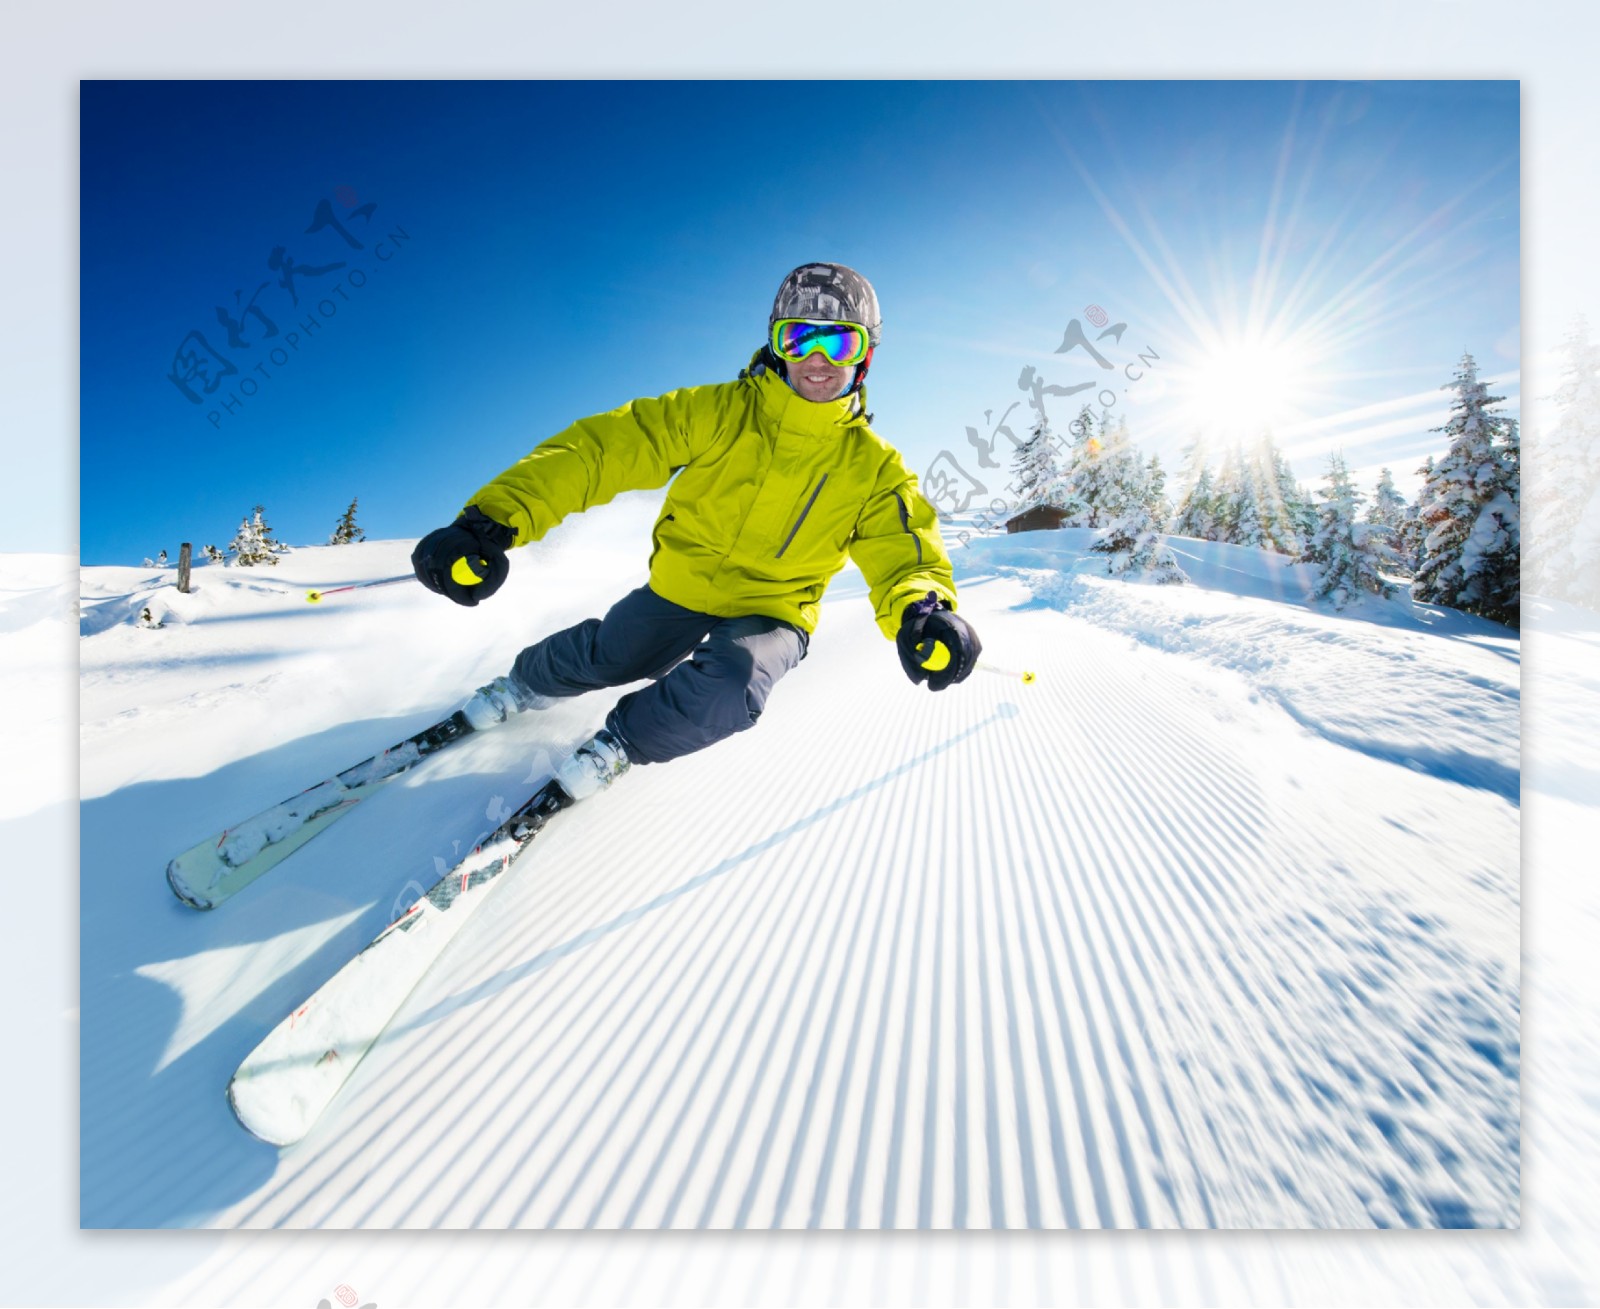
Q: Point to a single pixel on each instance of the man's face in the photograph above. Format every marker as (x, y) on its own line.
(818, 380)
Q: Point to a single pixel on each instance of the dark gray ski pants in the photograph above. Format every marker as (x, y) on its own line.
(710, 676)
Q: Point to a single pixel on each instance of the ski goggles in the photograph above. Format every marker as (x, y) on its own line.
(841, 343)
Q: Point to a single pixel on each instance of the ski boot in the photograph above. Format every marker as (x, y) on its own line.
(593, 766)
(491, 705)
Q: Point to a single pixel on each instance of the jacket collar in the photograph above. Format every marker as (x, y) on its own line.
(797, 414)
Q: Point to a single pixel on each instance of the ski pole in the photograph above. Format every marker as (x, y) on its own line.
(1027, 676)
(315, 597)
(934, 656)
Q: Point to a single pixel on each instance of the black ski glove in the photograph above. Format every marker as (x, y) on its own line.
(924, 628)
(467, 560)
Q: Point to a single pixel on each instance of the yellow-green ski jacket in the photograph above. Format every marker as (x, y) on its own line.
(774, 491)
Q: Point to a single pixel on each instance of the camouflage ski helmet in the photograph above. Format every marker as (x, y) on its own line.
(832, 292)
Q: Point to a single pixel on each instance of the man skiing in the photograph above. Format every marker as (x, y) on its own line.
(779, 479)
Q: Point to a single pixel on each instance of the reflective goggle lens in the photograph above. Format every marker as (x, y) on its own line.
(841, 343)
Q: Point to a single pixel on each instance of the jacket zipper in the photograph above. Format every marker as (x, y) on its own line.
(801, 519)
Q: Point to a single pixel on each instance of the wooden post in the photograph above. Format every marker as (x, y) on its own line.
(183, 568)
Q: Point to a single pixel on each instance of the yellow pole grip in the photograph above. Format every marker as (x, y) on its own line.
(933, 655)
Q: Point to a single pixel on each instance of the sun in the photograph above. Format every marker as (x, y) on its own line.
(1240, 387)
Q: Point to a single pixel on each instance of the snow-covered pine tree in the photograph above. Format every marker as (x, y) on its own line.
(1247, 526)
(1470, 508)
(1255, 498)
(1078, 478)
(1387, 514)
(1230, 496)
(1277, 503)
(346, 530)
(1494, 585)
(213, 554)
(1563, 501)
(1348, 552)
(1388, 507)
(1091, 473)
(254, 544)
(1136, 549)
(1299, 511)
(161, 559)
(1197, 516)
(1188, 506)
(1122, 475)
(1035, 467)
(1257, 521)
(1155, 491)
(1408, 540)
(1413, 531)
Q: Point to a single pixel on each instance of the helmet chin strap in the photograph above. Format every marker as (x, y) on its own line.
(861, 371)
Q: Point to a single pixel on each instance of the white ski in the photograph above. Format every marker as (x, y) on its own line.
(286, 1082)
(223, 865)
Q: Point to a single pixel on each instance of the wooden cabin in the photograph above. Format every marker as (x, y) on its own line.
(1041, 518)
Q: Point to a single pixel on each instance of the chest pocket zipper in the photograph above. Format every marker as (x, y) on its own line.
(800, 519)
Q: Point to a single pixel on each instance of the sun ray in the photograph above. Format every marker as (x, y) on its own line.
(1265, 346)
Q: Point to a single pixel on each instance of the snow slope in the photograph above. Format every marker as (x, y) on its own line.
(1215, 924)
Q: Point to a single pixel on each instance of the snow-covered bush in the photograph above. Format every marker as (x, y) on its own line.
(254, 543)
(1136, 549)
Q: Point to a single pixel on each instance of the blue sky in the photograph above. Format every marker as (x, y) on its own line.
(1311, 256)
